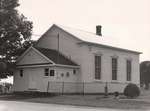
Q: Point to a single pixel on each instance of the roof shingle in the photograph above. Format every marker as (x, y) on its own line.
(56, 56)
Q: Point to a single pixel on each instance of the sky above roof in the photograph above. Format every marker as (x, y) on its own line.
(127, 21)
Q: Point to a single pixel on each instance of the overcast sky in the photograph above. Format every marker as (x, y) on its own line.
(126, 20)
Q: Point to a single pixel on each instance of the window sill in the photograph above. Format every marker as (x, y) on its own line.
(127, 82)
(46, 76)
(100, 81)
(115, 81)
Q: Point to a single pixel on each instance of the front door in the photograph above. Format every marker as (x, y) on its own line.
(32, 80)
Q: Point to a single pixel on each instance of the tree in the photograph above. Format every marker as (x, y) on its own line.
(15, 31)
(145, 73)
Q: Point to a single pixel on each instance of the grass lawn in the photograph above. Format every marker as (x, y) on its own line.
(141, 103)
(82, 100)
(94, 101)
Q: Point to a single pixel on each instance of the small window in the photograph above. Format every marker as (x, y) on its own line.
(128, 68)
(62, 74)
(46, 71)
(97, 67)
(21, 73)
(74, 71)
(67, 74)
(114, 68)
(52, 72)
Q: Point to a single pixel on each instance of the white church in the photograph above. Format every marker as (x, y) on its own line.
(70, 60)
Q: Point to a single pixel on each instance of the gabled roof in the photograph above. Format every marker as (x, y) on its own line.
(27, 51)
(55, 56)
(92, 38)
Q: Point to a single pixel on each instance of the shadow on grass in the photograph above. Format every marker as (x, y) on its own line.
(24, 96)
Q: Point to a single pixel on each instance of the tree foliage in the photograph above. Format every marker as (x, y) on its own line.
(145, 73)
(15, 31)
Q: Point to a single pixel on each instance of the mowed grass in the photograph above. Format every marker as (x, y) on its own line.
(141, 103)
(94, 101)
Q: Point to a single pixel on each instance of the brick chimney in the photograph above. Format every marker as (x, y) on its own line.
(98, 30)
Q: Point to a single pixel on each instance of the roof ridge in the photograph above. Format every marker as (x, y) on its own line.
(44, 48)
(76, 29)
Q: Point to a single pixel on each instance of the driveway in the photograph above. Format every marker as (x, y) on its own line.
(27, 106)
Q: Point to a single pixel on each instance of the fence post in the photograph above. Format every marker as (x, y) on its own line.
(62, 87)
(106, 89)
(83, 88)
(48, 87)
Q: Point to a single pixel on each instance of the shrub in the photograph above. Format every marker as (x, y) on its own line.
(132, 90)
(116, 94)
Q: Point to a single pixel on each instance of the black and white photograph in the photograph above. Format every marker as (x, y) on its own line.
(74, 55)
